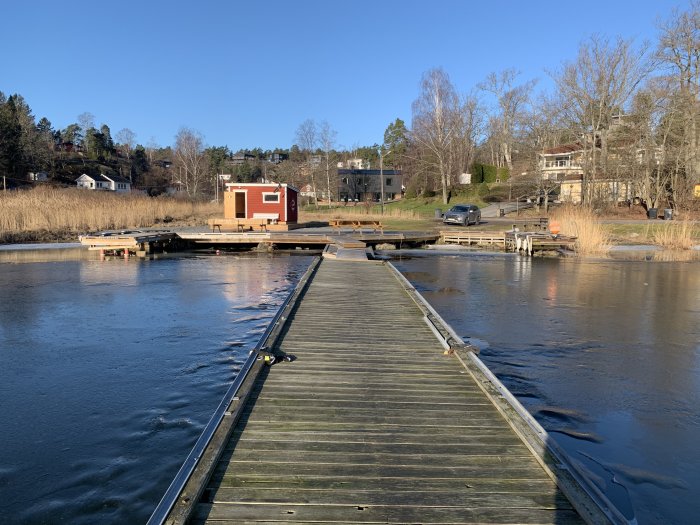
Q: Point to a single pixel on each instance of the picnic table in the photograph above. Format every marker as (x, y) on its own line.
(357, 224)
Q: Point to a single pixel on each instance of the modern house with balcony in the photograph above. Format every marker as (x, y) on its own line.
(562, 162)
(564, 166)
(366, 185)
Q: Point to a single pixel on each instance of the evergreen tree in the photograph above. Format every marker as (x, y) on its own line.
(139, 164)
(396, 142)
(10, 140)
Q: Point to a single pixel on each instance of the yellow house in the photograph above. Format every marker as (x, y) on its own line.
(697, 191)
(607, 190)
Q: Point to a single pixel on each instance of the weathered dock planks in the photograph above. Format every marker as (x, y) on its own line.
(373, 423)
(473, 237)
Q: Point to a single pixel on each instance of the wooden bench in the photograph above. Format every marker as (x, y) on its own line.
(265, 219)
(534, 224)
(356, 224)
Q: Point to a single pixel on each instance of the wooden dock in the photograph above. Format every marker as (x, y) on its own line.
(468, 236)
(530, 242)
(130, 241)
(382, 416)
(318, 240)
(143, 243)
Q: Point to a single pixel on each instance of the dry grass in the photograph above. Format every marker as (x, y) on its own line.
(365, 212)
(677, 235)
(592, 238)
(76, 210)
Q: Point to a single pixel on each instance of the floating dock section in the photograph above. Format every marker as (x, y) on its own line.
(374, 411)
(131, 241)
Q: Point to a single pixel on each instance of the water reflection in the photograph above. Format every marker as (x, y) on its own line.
(604, 353)
(110, 371)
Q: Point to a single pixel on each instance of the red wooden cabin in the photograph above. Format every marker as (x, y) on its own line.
(273, 202)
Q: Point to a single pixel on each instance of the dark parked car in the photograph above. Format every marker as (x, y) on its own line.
(464, 214)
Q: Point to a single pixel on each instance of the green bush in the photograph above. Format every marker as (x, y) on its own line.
(502, 174)
(487, 173)
(412, 189)
(483, 189)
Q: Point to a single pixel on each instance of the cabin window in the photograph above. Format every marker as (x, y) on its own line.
(271, 197)
(388, 181)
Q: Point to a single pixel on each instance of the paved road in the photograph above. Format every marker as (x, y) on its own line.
(493, 210)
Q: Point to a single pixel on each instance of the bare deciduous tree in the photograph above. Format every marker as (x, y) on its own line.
(189, 152)
(127, 139)
(679, 49)
(594, 89)
(326, 139)
(436, 124)
(307, 140)
(512, 101)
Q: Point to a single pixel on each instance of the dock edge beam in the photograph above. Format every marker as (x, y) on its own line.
(181, 497)
(588, 500)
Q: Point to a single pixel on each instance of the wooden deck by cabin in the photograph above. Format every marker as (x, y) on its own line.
(383, 416)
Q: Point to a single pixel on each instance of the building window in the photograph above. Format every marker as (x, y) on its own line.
(388, 181)
(271, 197)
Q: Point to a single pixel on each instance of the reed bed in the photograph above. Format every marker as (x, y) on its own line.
(75, 210)
(676, 235)
(580, 222)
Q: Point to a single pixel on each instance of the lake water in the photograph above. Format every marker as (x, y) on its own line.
(110, 370)
(605, 354)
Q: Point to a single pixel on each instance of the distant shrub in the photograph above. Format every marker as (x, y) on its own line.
(502, 174)
(488, 173)
(412, 189)
(483, 189)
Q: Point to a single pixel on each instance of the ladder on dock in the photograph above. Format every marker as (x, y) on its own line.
(383, 416)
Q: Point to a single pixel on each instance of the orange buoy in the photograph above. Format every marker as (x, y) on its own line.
(554, 228)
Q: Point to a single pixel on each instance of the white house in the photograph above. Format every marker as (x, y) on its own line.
(104, 182)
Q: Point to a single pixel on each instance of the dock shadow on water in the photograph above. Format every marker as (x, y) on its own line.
(112, 368)
(603, 353)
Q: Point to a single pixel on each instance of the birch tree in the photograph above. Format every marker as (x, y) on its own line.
(127, 139)
(307, 139)
(326, 139)
(512, 101)
(191, 165)
(436, 124)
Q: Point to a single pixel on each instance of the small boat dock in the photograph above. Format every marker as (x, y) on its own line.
(142, 243)
(135, 242)
(525, 242)
(361, 405)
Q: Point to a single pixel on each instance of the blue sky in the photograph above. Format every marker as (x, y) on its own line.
(246, 74)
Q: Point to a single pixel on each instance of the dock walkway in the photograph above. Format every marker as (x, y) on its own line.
(373, 422)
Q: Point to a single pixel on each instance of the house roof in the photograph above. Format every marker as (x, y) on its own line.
(96, 178)
(353, 171)
(268, 184)
(117, 178)
(564, 148)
